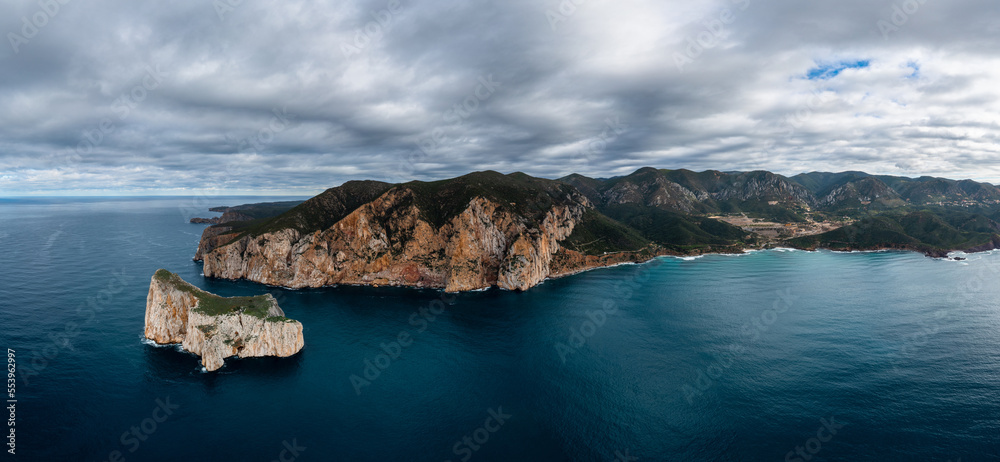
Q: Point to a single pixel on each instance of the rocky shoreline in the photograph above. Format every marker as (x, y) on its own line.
(482, 247)
(487, 229)
(585, 263)
(214, 327)
(929, 252)
(567, 263)
(563, 262)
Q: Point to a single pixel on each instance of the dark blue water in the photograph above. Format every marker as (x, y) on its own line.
(718, 358)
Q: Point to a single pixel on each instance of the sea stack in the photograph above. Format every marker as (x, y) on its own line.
(215, 327)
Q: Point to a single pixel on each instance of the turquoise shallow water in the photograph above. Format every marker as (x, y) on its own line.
(715, 358)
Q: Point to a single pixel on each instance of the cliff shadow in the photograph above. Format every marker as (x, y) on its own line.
(172, 363)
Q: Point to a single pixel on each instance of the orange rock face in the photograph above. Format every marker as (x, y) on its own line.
(389, 242)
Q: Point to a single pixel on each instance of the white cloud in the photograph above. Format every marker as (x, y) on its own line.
(925, 104)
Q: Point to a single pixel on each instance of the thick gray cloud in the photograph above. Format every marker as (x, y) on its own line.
(235, 96)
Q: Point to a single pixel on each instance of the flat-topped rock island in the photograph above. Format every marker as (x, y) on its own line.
(215, 327)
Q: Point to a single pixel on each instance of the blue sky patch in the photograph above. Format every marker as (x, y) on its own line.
(825, 71)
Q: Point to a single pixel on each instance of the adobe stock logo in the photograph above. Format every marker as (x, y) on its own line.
(470, 444)
(711, 35)
(597, 318)
(133, 438)
(290, 452)
(566, 9)
(390, 352)
(588, 328)
(122, 107)
(813, 446)
(222, 8)
(456, 116)
(900, 16)
(30, 27)
(374, 30)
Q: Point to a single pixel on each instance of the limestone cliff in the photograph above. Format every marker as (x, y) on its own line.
(214, 327)
(388, 241)
(212, 237)
(482, 231)
(487, 229)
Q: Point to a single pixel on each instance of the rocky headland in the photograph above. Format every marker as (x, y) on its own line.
(215, 327)
(246, 212)
(488, 229)
(228, 214)
(400, 237)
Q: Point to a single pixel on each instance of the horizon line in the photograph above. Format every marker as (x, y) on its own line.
(83, 193)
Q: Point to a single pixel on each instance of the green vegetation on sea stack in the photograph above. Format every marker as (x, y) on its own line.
(213, 305)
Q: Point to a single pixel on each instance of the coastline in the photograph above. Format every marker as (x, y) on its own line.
(937, 255)
(562, 268)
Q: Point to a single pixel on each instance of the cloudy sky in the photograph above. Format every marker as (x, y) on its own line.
(292, 97)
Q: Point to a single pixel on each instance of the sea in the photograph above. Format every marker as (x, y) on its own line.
(774, 355)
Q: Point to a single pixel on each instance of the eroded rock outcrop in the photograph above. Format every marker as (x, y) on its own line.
(215, 327)
(863, 191)
(212, 237)
(389, 241)
(487, 229)
(229, 214)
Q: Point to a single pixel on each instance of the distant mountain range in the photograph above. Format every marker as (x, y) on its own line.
(487, 229)
(717, 192)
